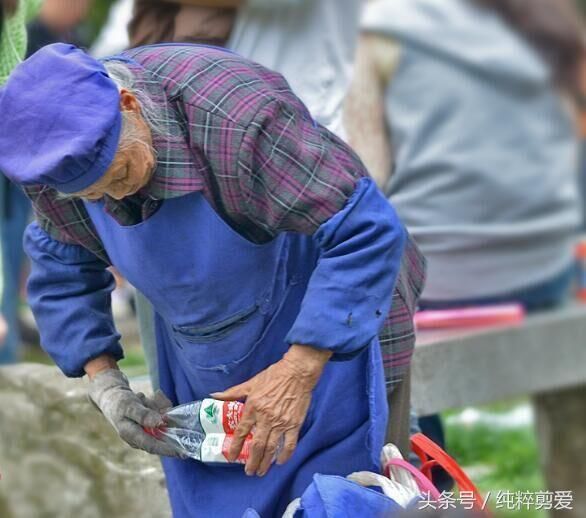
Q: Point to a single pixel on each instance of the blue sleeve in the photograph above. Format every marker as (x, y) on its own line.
(69, 292)
(350, 291)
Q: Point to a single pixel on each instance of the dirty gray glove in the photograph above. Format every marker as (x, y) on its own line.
(158, 402)
(128, 412)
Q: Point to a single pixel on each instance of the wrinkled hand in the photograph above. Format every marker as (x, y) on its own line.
(128, 412)
(277, 400)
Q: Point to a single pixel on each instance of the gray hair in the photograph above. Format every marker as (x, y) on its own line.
(150, 112)
(125, 79)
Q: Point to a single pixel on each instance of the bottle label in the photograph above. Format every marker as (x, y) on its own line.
(219, 416)
(215, 448)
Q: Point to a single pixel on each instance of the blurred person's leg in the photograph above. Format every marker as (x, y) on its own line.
(15, 211)
(432, 427)
(399, 400)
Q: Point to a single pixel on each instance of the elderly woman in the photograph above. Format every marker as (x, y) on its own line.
(268, 254)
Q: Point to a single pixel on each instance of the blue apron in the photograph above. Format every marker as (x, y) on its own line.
(223, 308)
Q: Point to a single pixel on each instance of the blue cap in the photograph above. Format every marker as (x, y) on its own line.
(59, 120)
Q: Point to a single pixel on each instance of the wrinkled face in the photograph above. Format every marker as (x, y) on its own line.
(133, 165)
(130, 171)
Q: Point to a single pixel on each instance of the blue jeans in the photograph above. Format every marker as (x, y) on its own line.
(14, 215)
(549, 294)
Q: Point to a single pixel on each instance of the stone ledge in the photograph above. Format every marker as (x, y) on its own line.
(457, 368)
(60, 458)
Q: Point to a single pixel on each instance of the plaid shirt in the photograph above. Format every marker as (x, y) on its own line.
(235, 132)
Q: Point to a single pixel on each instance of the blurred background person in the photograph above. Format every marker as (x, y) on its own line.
(13, 43)
(474, 101)
(311, 42)
(465, 113)
(59, 21)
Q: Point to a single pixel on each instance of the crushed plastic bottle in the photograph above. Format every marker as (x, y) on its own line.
(211, 448)
(206, 416)
(203, 430)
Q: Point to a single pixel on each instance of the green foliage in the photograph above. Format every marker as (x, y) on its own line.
(499, 459)
(133, 363)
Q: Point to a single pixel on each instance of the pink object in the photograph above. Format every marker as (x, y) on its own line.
(3, 330)
(425, 485)
(470, 317)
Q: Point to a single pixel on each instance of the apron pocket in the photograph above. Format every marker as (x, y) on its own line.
(227, 346)
(216, 331)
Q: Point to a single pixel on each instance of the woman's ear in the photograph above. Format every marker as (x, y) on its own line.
(128, 102)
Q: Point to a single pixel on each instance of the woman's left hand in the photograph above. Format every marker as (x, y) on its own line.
(277, 400)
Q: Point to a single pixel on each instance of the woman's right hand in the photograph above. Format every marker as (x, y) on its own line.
(128, 412)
